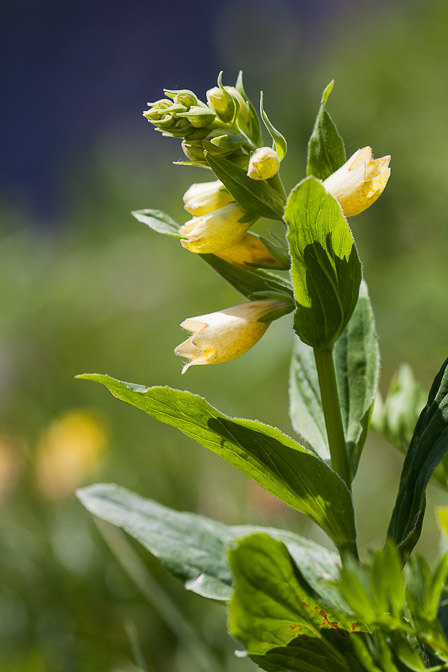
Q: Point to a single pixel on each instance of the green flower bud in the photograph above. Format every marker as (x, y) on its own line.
(199, 116)
(223, 103)
(183, 96)
(244, 112)
(193, 151)
(221, 142)
(263, 164)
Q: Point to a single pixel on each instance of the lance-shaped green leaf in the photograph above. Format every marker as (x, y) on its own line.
(265, 454)
(326, 271)
(356, 358)
(256, 196)
(158, 221)
(396, 416)
(247, 282)
(326, 151)
(248, 122)
(194, 548)
(278, 139)
(271, 607)
(427, 449)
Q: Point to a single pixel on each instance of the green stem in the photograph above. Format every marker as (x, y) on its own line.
(332, 413)
(277, 183)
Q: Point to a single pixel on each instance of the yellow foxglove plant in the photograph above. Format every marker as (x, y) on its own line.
(294, 605)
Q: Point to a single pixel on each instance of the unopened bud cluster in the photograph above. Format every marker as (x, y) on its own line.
(222, 126)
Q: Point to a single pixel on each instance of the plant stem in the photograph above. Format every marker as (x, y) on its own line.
(332, 413)
(277, 183)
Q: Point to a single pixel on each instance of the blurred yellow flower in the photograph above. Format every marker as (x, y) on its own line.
(359, 182)
(68, 451)
(226, 334)
(204, 197)
(250, 250)
(216, 230)
(263, 164)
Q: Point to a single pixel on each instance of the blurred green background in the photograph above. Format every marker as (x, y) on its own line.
(84, 287)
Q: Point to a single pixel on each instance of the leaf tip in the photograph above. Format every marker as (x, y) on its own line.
(328, 89)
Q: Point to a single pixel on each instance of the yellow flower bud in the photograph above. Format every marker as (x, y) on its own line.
(215, 231)
(250, 250)
(204, 197)
(359, 182)
(226, 334)
(264, 163)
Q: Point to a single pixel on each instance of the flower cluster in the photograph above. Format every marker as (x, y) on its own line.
(226, 130)
(224, 126)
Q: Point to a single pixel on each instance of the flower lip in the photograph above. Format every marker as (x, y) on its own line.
(204, 197)
(359, 182)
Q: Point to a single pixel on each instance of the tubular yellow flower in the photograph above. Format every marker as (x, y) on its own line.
(264, 163)
(204, 197)
(219, 337)
(215, 231)
(250, 250)
(359, 182)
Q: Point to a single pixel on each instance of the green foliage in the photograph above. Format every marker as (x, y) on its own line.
(272, 606)
(326, 152)
(400, 610)
(326, 270)
(269, 457)
(195, 548)
(428, 447)
(357, 370)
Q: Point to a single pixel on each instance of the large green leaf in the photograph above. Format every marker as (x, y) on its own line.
(356, 358)
(194, 548)
(326, 151)
(256, 196)
(265, 454)
(326, 271)
(272, 607)
(427, 449)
